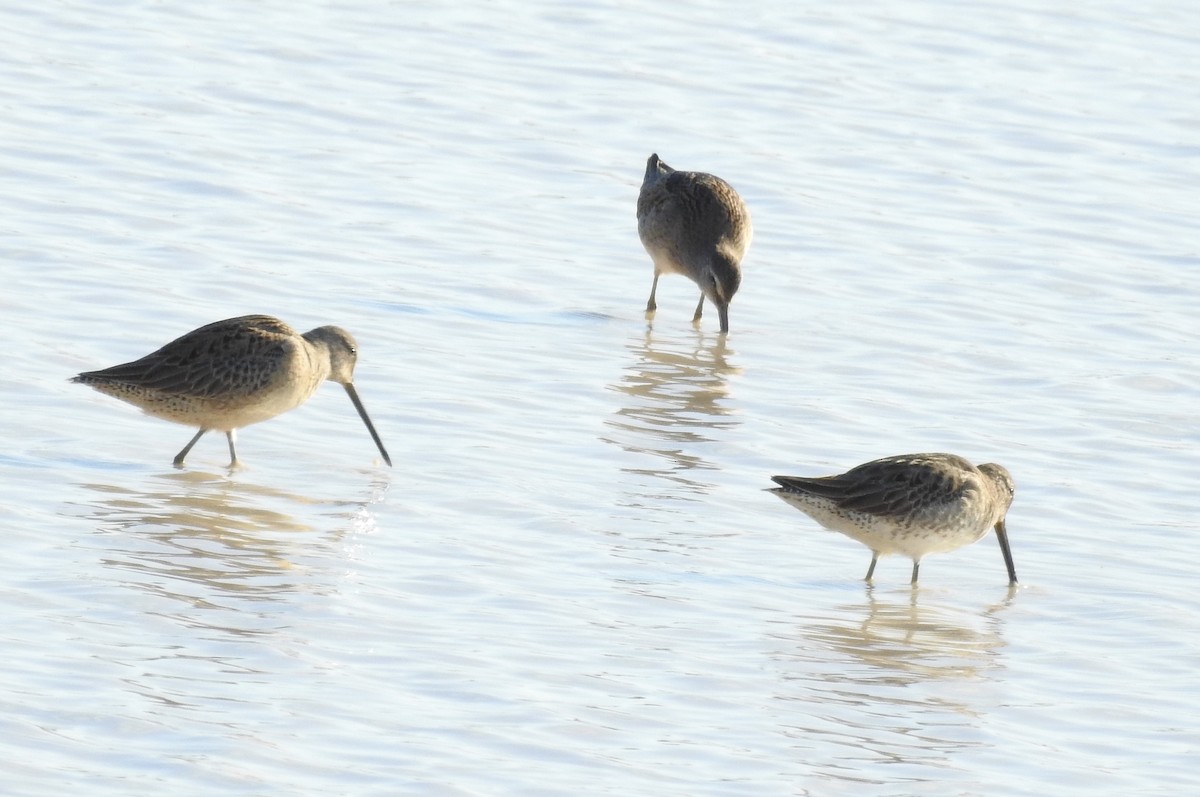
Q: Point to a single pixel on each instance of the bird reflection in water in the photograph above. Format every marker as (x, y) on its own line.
(905, 641)
(675, 398)
(230, 538)
(891, 682)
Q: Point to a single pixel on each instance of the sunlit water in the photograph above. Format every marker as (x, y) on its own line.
(975, 232)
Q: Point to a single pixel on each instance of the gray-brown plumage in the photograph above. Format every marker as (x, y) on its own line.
(914, 504)
(694, 224)
(233, 373)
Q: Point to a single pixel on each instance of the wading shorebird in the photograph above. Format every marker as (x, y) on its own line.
(694, 224)
(914, 504)
(233, 373)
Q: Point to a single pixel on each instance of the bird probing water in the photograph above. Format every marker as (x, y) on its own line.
(694, 224)
(234, 373)
(914, 504)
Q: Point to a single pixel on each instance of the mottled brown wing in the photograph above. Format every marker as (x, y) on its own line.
(711, 198)
(884, 487)
(225, 358)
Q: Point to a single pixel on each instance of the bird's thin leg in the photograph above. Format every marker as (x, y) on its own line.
(651, 306)
(231, 435)
(179, 457)
(916, 567)
(699, 309)
(871, 569)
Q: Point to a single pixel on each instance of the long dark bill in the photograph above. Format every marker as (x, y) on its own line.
(362, 413)
(1002, 536)
(723, 315)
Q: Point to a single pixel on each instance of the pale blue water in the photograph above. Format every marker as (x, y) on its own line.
(975, 232)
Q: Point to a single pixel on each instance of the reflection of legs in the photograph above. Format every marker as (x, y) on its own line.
(179, 457)
(232, 435)
(650, 305)
(699, 309)
(871, 569)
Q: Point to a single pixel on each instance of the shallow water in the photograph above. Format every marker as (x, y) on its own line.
(974, 232)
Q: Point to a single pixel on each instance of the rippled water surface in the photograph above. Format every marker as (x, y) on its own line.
(975, 232)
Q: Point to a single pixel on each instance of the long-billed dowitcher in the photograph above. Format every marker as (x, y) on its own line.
(913, 504)
(694, 224)
(233, 373)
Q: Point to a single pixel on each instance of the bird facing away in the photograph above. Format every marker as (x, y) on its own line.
(914, 504)
(694, 224)
(233, 373)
